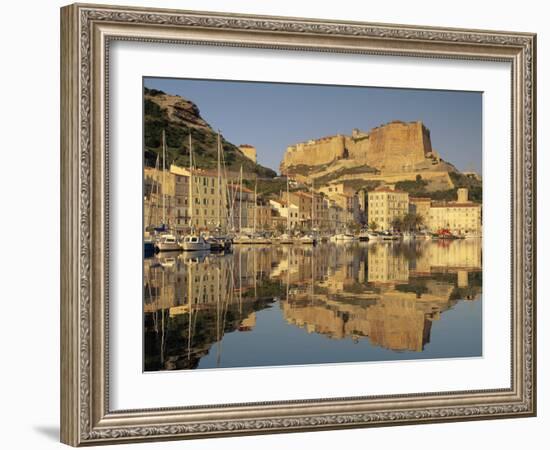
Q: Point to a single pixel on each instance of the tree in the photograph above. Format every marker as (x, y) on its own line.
(412, 221)
(419, 221)
(281, 228)
(408, 221)
(354, 226)
(373, 226)
(397, 223)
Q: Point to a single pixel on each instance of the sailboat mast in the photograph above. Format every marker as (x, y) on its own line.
(190, 181)
(219, 181)
(241, 203)
(255, 203)
(312, 205)
(156, 222)
(163, 177)
(287, 207)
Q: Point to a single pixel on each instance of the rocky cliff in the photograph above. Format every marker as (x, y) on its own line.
(179, 117)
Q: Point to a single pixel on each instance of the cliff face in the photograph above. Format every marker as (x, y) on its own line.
(179, 117)
(391, 148)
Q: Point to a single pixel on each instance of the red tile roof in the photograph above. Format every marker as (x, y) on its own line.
(456, 205)
(385, 189)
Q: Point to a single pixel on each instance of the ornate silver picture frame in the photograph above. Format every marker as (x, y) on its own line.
(87, 32)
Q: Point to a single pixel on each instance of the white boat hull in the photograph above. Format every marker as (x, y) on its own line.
(342, 238)
(168, 246)
(195, 246)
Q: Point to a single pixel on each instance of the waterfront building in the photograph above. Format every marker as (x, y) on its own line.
(336, 217)
(303, 201)
(420, 206)
(363, 201)
(159, 204)
(249, 151)
(385, 204)
(262, 216)
(209, 208)
(181, 198)
(242, 207)
(346, 198)
(283, 210)
(461, 217)
(336, 188)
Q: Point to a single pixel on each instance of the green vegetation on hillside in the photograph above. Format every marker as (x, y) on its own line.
(417, 188)
(267, 187)
(325, 179)
(156, 120)
(366, 185)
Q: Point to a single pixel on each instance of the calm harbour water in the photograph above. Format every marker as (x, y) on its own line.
(283, 305)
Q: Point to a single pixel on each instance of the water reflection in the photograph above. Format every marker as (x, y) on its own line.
(278, 305)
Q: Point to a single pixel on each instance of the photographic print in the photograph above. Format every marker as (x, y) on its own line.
(291, 224)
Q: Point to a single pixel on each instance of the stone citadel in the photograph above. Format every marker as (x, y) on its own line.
(396, 147)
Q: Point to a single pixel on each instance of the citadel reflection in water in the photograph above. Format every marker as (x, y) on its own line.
(280, 305)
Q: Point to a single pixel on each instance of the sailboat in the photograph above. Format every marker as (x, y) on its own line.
(219, 241)
(166, 241)
(241, 238)
(193, 241)
(310, 238)
(287, 238)
(257, 238)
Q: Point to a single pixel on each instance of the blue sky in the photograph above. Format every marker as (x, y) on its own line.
(272, 116)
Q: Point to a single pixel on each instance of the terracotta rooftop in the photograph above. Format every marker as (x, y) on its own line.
(301, 194)
(284, 203)
(456, 205)
(237, 187)
(385, 189)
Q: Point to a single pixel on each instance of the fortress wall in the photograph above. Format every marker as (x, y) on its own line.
(427, 140)
(358, 149)
(395, 147)
(322, 151)
(398, 145)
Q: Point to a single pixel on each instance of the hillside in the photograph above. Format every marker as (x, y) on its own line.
(179, 117)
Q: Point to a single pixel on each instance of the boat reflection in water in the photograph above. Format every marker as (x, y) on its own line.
(333, 303)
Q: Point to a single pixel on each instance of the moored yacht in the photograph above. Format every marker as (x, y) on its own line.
(194, 242)
(374, 236)
(363, 235)
(342, 237)
(285, 239)
(167, 243)
(219, 243)
(307, 239)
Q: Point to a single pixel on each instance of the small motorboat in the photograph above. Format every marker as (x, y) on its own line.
(308, 240)
(195, 243)
(363, 236)
(167, 243)
(242, 239)
(148, 248)
(285, 239)
(219, 243)
(343, 237)
(389, 236)
(374, 236)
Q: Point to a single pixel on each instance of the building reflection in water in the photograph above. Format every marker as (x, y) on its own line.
(386, 293)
